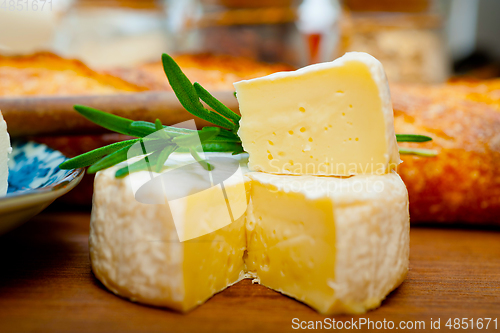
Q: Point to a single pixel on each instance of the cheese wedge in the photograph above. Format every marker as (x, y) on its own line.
(332, 118)
(339, 245)
(136, 252)
(5, 150)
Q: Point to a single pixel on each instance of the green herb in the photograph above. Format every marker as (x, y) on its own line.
(191, 140)
(412, 138)
(215, 104)
(187, 95)
(169, 139)
(418, 152)
(163, 157)
(145, 163)
(198, 159)
(95, 155)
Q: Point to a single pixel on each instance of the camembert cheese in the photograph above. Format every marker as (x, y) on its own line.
(332, 118)
(5, 150)
(339, 245)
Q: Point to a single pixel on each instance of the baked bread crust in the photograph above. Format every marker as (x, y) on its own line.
(46, 74)
(215, 72)
(461, 184)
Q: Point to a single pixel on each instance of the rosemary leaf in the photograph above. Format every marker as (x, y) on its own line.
(223, 139)
(145, 163)
(195, 139)
(215, 104)
(95, 155)
(124, 154)
(418, 152)
(159, 128)
(151, 128)
(211, 146)
(110, 160)
(198, 159)
(175, 131)
(187, 96)
(238, 150)
(163, 157)
(412, 138)
(224, 133)
(158, 124)
(109, 121)
(143, 128)
(214, 146)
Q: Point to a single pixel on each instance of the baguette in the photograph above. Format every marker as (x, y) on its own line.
(461, 184)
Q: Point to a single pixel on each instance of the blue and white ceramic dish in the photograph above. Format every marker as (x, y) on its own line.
(35, 181)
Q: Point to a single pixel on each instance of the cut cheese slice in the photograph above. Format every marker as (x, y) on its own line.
(135, 248)
(332, 118)
(339, 245)
(5, 150)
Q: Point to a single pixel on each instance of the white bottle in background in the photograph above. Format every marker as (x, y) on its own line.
(318, 23)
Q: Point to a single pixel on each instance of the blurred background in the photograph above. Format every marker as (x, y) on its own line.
(418, 41)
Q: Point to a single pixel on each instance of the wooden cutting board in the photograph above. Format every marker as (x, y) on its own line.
(46, 285)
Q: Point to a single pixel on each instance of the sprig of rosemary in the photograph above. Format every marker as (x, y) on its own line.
(169, 139)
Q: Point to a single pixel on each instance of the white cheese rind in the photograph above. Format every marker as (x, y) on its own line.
(136, 253)
(369, 236)
(5, 150)
(285, 120)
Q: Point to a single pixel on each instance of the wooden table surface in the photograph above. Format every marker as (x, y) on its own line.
(46, 285)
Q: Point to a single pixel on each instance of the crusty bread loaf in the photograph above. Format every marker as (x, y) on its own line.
(461, 184)
(46, 74)
(216, 72)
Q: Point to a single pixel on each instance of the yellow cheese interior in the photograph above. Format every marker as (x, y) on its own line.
(213, 262)
(292, 249)
(201, 213)
(327, 121)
